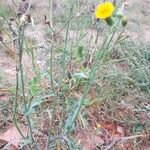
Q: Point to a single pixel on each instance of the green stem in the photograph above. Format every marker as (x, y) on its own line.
(20, 45)
(15, 104)
(51, 64)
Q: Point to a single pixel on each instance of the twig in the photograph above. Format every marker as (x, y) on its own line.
(63, 26)
(133, 137)
(111, 145)
(123, 139)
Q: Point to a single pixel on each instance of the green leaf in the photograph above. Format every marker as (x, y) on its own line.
(36, 102)
(80, 52)
(12, 90)
(138, 127)
(33, 87)
(80, 75)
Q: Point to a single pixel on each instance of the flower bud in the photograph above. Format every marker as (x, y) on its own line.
(109, 21)
(124, 21)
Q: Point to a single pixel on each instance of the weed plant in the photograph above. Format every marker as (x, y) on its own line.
(94, 55)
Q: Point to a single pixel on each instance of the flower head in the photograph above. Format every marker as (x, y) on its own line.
(124, 21)
(104, 10)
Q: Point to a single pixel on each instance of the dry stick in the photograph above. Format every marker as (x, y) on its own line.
(123, 139)
(111, 145)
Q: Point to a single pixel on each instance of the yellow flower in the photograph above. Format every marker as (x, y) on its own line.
(104, 10)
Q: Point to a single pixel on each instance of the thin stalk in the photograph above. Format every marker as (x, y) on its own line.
(20, 45)
(34, 65)
(16, 94)
(51, 73)
(66, 40)
(51, 63)
(15, 104)
(52, 41)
